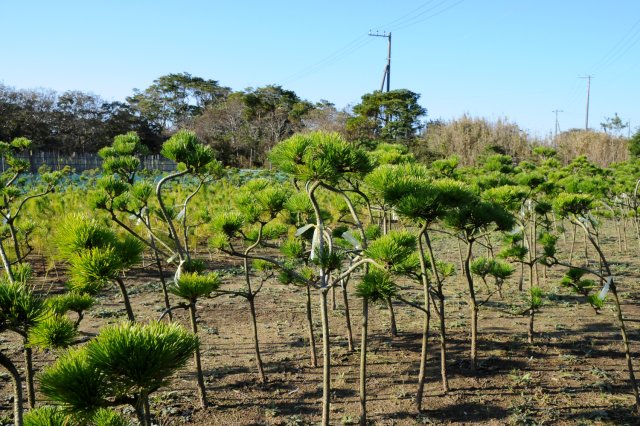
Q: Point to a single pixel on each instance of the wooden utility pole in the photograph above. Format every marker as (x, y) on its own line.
(588, 77)
(556, 111)
(387, 69)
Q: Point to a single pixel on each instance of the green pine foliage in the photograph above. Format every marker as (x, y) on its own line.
(54, 332)
(123, 363)
(192, 286)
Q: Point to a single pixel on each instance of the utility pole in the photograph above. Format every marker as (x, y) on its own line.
(556, 111)
(387, 69)
(588, 77)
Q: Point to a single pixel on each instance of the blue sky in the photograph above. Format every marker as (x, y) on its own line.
(519, 59)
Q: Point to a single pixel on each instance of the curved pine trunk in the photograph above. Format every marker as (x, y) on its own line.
(620, 320)
(163, 282)
(16, 243)
(17, 388)
(473, 304)
(627, 350)
(6, 263)
(312, 337)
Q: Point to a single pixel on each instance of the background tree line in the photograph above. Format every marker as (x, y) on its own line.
(242, 126)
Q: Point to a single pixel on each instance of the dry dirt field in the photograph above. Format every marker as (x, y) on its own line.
(574, 374)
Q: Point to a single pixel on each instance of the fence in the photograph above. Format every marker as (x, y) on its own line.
(81, 162)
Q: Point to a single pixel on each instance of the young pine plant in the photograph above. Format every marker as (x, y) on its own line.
(376, 286)
(123, 365)
(259, 202)
(418, 198)
(20, 310)
(192, 284)
(576, 208)
(15, 193)
(97, 257)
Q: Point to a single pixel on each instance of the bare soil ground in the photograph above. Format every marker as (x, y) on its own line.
(574, 373)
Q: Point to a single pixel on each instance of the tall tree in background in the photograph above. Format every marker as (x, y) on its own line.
(27, 113)
(174, 99)
(78, 120)
(388, 116)
(634, 145)
(325, 117)
(244, 126)
(73, 121)
(275, 114)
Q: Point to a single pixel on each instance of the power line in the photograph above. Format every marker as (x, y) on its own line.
(351, 47)
(631, 37)
(413, 21)
(404, 21)
(411, 14)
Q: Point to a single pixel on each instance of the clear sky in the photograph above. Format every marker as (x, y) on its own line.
(519, 59)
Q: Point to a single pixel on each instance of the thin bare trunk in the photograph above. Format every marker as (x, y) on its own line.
(163, 282)
(619, 316)
(6, 264)
(586, 250)
(14, 238)
(393, 328)
(28, 373)
(202, 390)
(443, 347)
(125, 299)
(441, 314)
(426, 321)
(627, 349)
(334, 305)
(363, 363)
(534, 249)
(326, 359)
(531, 319)
(573, 244)
(256, 342)
(347, 314)
(312, 338)
(474, 336)
(473, 307)
(147, 409)
(252, 309)
(460, 257)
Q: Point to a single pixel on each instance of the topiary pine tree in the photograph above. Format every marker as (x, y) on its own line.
(321, 159)
(472, 221)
